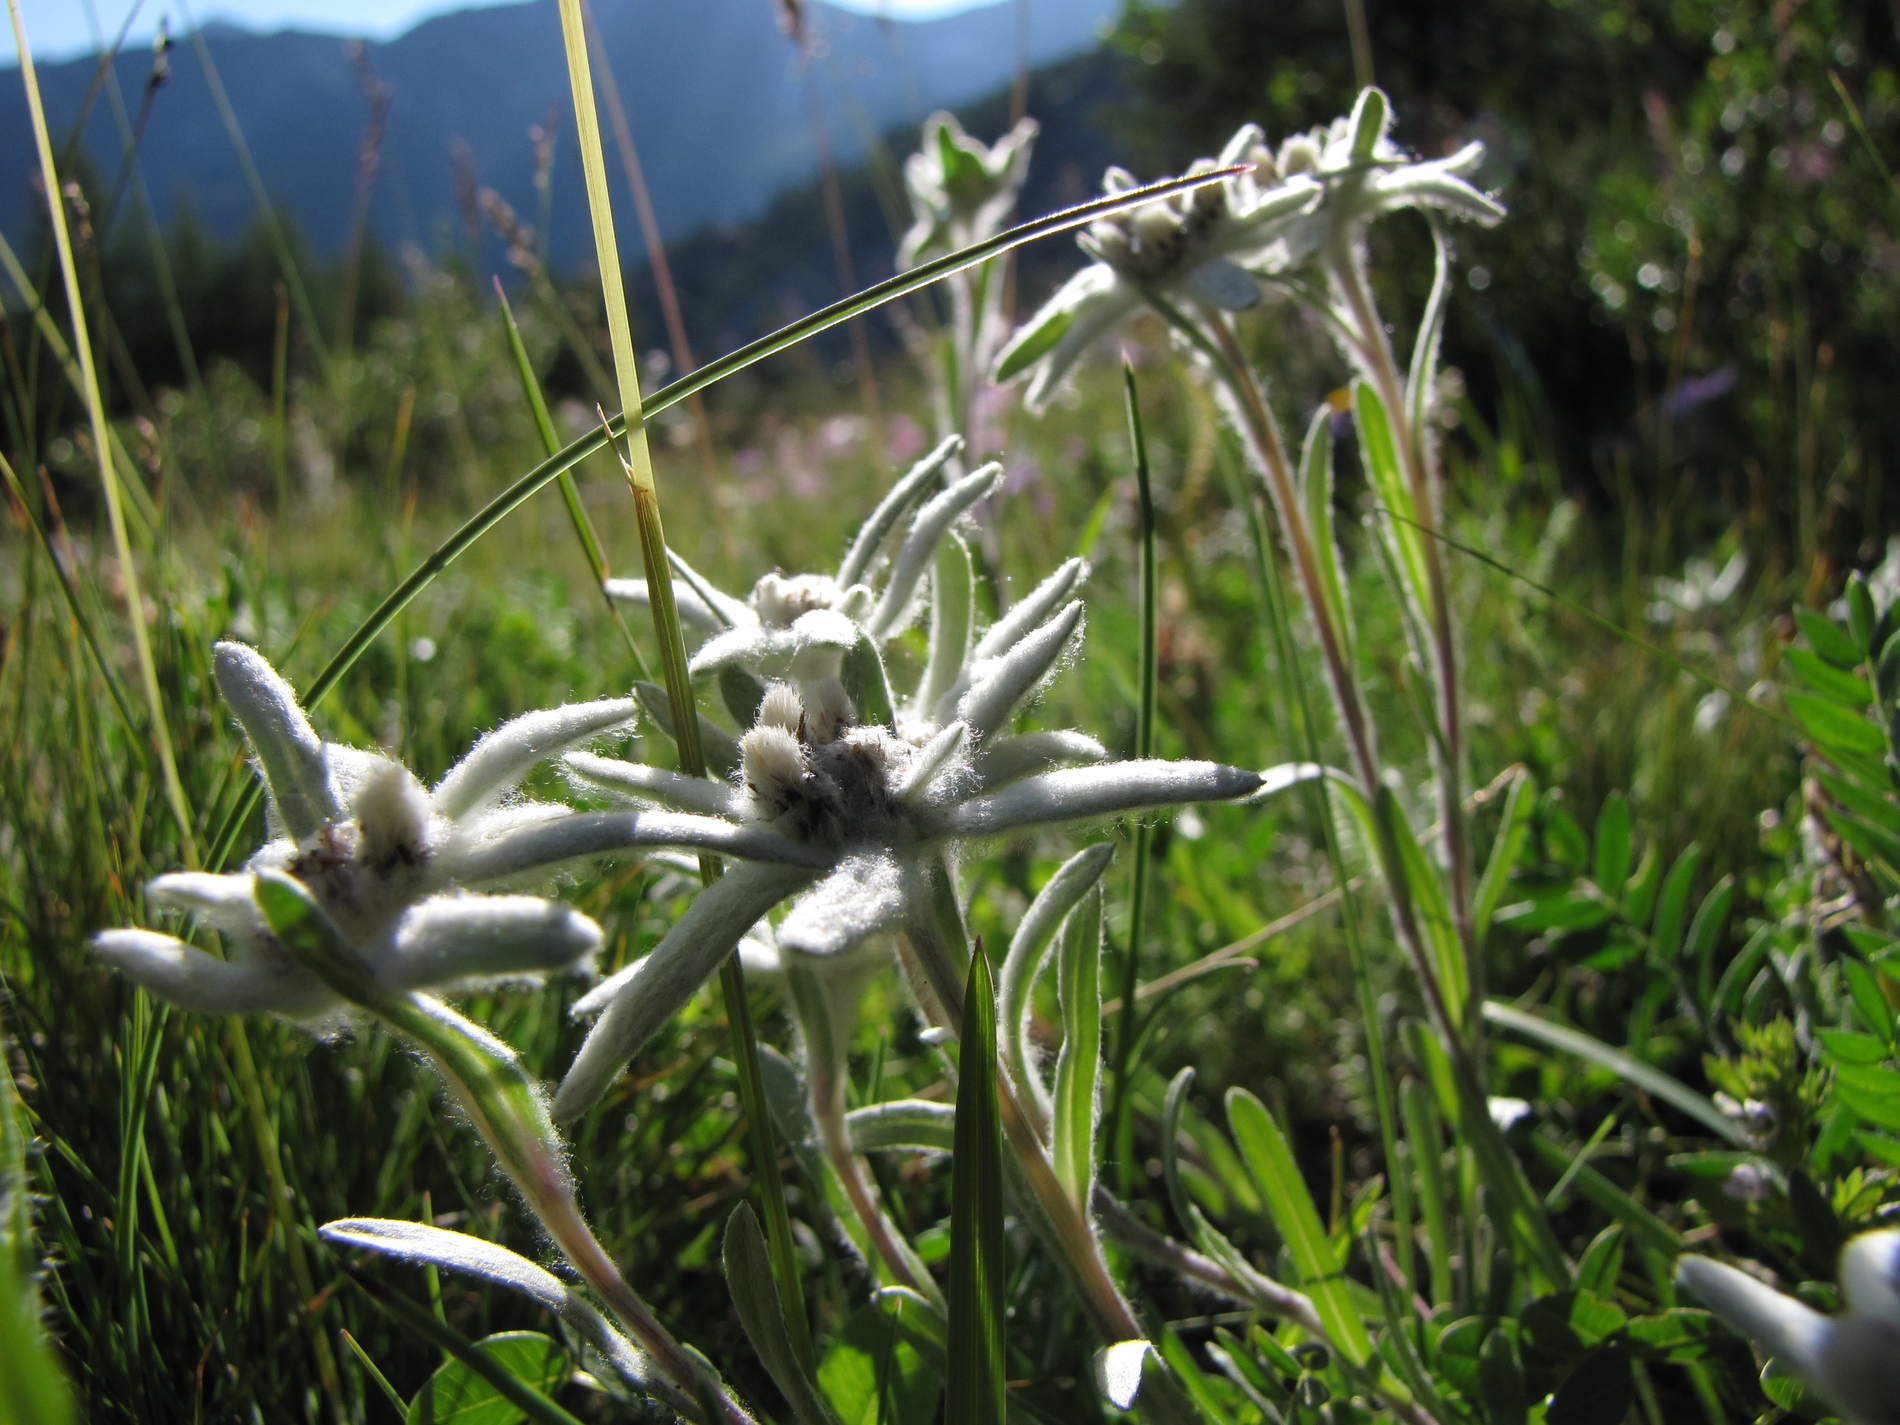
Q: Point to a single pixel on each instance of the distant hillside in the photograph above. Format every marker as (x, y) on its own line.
(712, 89)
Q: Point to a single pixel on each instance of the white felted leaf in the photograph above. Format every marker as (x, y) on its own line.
(1780, 1325)
(891, 510)
(906, 1124)
(1005, 759)
(1287, 774)
(1084, 793)
(1118, 1371)
(863, 897)
(223, 903)
(730, 612)
(919, 549)
(206, 985)
(287, 747)
(1029, 612)
(1435, 185)
(446, 940)
(650, 786)
(686, 957)
(1103, 301)
(1028, 948)
(497, 763)
(543, 846)
(693, 610)
(1001, 687)
(767, 651)
(931, 760)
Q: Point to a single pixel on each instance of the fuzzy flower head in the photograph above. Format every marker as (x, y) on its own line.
(1192, 247)
(392, 864)
(875, 805)
(1852, 1360)
(961, 189)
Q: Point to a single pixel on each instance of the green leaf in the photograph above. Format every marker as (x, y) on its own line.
(1680, 1334)
(32, 1389)
(1264, 1149)
(1833, 726)
(1078, 1087)
(742, 693)
(1030, 345)
(458, 1395)
(1563, 838)
(1611, 865)
(1828, 638)
(1861, 617)
(1887, 671)
(1868, 999)
(1873, 1093)
(1565, 1324)
(977, 1374)
(1578, 907)
(1379, 451)
(1705, 933)
(1639, 892)
(1829, 681)
(1644, 1076)
(1458, 1349)
(1600, 1389)
(1672, 908)
(1790, 1392)
(1316, 491)
(754, 1291)
(1429, 904)
(873, 1374)
(1501, 1381)
(1591, 1184)
(1602, 1264)
(1851, 1048)
(1426, 1141)
(864, 679)
(1513, 831)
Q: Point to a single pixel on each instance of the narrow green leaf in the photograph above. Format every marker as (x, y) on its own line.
(1378, 449)
(1078, 1085)
(1868, 999)
(1426, 1140)
(1672, 909)
(755, 1293)
(1316, 491)
(1265, 1151)
(1501, 1381)
(1429, 904)
(977, 1376)
(1833, 726)
(1513, 831)
(1643, 1223)
(1828, 638)
(1610, 867)
(1861, 618)
(864, 679)
(1705, 933)
(1639, 891)
(1843, 687)
(1644, 1076)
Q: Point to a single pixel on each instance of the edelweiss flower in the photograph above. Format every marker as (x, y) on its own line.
(1194, 246)
(786, 615)
(875, 812)
(961, 189)
(1852, 1361)
(1364, 176)
(390, 863)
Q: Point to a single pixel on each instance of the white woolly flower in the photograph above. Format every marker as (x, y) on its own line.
(877, 812)
(1852, 1361)
(1191, 247)
(391, 863)
(961, 189)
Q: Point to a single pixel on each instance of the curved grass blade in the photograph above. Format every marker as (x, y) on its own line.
(1643, 1076)
(977, 1392)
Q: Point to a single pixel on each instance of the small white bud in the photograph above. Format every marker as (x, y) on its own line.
(773, 765)
(392, 817)
(781, 708)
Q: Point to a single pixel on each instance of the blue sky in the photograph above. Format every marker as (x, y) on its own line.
(61, 29)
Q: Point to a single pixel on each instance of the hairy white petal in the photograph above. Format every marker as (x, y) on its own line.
(1030, 611)
(933, 522)
(935, 755)
(821, 638)
(1001, 687)
(693, 610)
(763, 650)
(667, 979)
(1004, 759)
(497, 763)
(892, 508)
(393, 816)
(286, 745)
(862, 898)
(448, 939)
(543, 846)
(187, 976)
(650, 786)
(1779, 1324)
(1084, 793)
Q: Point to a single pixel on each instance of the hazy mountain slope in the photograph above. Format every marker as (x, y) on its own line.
(712, 88)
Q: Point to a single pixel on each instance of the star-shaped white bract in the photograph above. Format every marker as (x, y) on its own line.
(961, 189)
(785, 615)
(1852, 1360)
(877, 811)
(1364, 176)
(394, 865)
(1192, 247)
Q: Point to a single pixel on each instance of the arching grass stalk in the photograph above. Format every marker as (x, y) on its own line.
(575, 451)
(638, 463)
(102, 448)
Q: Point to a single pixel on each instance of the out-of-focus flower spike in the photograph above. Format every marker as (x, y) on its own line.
(1086, 793)
(291, 753)
(667, 979)
(207, 985)
(450, 939)
(541, 846)
(650, 786)
(892, 508)
(996, 695)
(1006, 759)
(496, 764)
(863, 897)
(927, 530)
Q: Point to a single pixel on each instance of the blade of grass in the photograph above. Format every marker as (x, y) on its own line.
(576, 511)
(574, 452)
(638, 462)
(375, 1374)
(978, 1390)
(102, 442)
